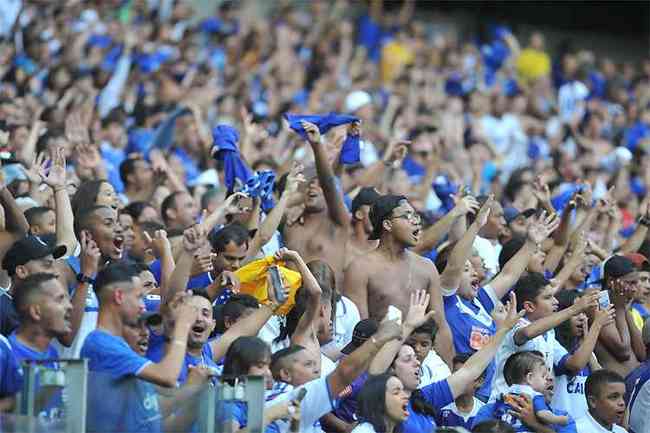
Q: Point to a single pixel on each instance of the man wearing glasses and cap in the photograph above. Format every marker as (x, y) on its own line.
(388, 275)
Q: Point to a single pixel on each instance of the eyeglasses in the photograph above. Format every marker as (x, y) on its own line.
(409, 216)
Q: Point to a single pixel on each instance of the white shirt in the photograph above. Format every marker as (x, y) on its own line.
(347, 316)
(570, 394)
(364, 428)
(640, 406)
(588, 424)
(270, 331)
(571, 100)
(489, 253)
(326, 365)
(317, 402)
(433, 369)
(508, 138)
(545, 343)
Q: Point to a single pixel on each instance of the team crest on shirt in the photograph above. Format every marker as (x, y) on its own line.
(478, 337)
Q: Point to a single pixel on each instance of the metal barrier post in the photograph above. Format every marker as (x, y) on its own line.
(208, 409)
(76, 390)
(255, 399)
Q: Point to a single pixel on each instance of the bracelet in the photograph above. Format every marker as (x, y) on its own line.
(178, 342)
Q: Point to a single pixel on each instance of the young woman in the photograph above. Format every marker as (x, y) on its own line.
(383, 404)
(94, 193)
(401, 361)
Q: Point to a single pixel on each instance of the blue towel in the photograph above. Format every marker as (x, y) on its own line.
(225, 149)
(351, 150)
(323, 122)
(261, 185)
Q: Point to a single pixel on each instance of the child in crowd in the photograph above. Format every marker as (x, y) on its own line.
(462, 411)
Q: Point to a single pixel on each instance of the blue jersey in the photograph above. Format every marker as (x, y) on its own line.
(11, 375)
(472, 326)
(438, 395)
(53, 409)
(156, 352)
(639, 406)
(347, 406)
(132, 405)
(451, 416)
(632, 378)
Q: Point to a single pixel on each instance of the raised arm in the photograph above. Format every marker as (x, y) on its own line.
(356, 363)
(162, 249)
(460, 381)
(16, 226)
(433, 235)
(355, 285)
(89, 259)
(451, 276)
(538, 231)
(616, 337)
(554, 320)
(165, 373)
(333, 195)
(581, 357)
(273, 219)
(304, 334)
(634, 242)
(444, 339)
(55, 177)
(193, 239)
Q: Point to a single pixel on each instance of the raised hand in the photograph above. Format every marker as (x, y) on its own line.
(90, 255)
(484, 213)
(313, 133)
(194, 238)
(590, 300)
(396, 152)
(354, 129)
(604, 317)
(286, 255)
(76, 132)
(159, 244)
(88, 156)
(506, 316)
(417, 314)
(542, 227)
(295, 178)
(55, 175)
(464, 204)
(388, 330)
(541, 191)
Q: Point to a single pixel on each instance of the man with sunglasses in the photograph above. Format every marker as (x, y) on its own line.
(614, 350)
(389, 274)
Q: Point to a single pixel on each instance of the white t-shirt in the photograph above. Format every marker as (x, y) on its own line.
(489, 253)
(588, 424)
(433, 369)
(570, 393)
(508, 138)
(326, 365)
(270, 332)
(546, 343)
(364, 428)
(317, 402)
(571, 100)
(347, 316)
(640, 405)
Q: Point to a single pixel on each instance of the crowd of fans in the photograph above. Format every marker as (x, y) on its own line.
(460, 225)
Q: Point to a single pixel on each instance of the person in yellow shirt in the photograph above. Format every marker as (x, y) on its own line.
(395, 55)
(533, 62)
(640, 308)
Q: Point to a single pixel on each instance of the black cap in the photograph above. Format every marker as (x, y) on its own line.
(617, 267)
(151, 318)
(362, 331)
(31, 248)
(367, 197)
(510, 214)
(380, 210)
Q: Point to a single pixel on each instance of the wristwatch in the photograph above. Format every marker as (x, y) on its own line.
(83, 279)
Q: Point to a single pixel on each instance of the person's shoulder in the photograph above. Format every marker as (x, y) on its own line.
(364, 428)
(618, 429)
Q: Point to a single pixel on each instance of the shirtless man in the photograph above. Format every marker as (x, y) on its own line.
(324, 228)
(361, 225)
(389, 274)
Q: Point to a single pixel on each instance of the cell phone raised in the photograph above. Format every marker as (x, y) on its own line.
(603, 299)
(276, 282)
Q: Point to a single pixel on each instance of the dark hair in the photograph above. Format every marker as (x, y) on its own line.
(418, 400)
(510, 249)
(33, 213)
(242, 354)
(481, 199)
(25, 289)
(429, 327)
(461, 358)
(230, 233)
(518, 365)
(136, 208)
(371, 401)
(278, 357)
(208, 195)
(493, 426)
(116, 272)
(169, 203)
(83, 221)
(566, 298)
(150, 227)
(443, 257)
(86, 195)
(528, 288)
(236, 305)
(127, 167)
(598, 379)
